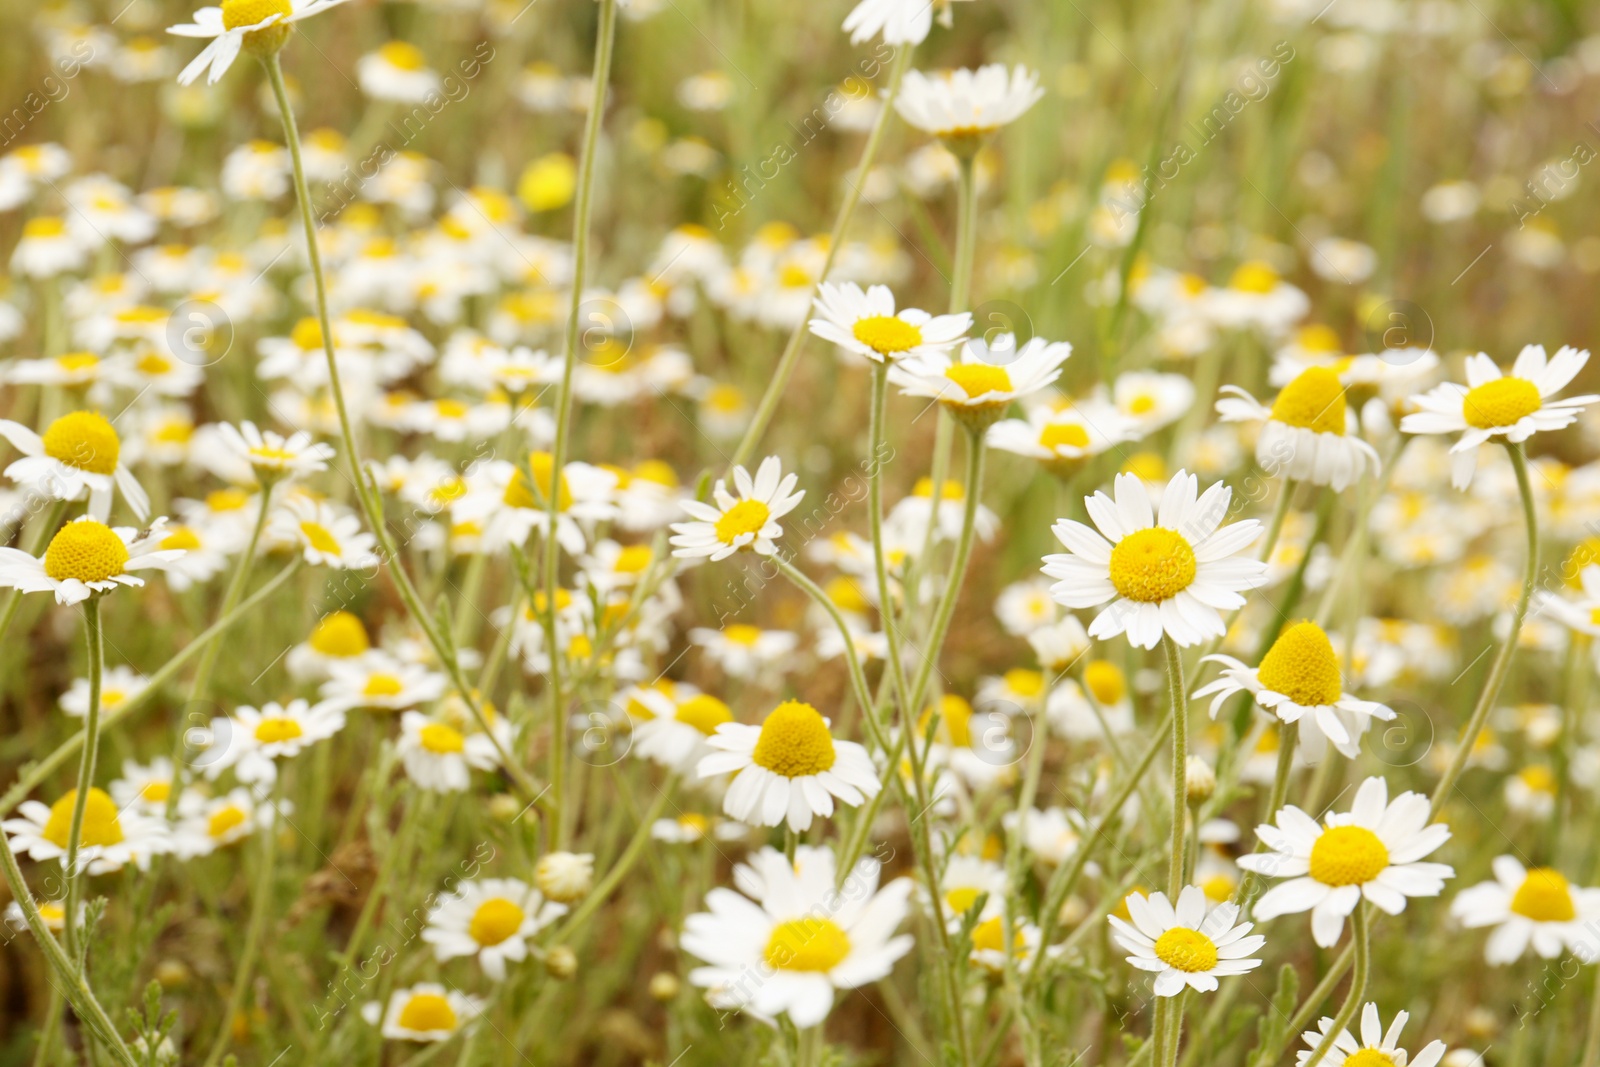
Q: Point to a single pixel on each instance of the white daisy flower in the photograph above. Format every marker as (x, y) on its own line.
(118, 685)
(1299, 681)
(1052, 834)
(1185, 946)
(743, 651)
(1256, 297)
(379, 682)
(788, 768)
(1376, 1047)
(1374, 851)
(966, 104)
(1491, 405)
(47, 248)
(804, 939)
(252, 740)
(272, 454)
(491, 919)
(338, 637)
(508, 509)
(440, 755)
(1536, 907)
(77, 455)
(678, 725)
(901, 22)
(111, 838)
(324, 535)
(398, 71)
(1064, 437)
(747, 522)
(206, 824)
(145, 786)
(1170, 573)
(984, 378)
(1309, 430)
(87, 557)
(425, 1013)
(261, 25)
(1151, 399)
(867, 324)
(907, 522)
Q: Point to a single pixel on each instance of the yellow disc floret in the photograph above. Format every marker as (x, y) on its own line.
(1063, 435)
(979, 379)
(1105, 682)
(519, 495)
(495, 920)
(1369, 1057)
(440, 739)
(1313, 401)
(1544, 897)
(887, 334)
(1152, 565)
(276, 728)
(426, 1012)
(339, 634)
(806, 945)
(794, 741)
(225, 820)
(745, 517)
(101, 827)
(87, 551)
(1186, 950)
(237, 13)
(85, 440)
(1302, 665)
(1348, 855)
(704, 712)
(1500, 403)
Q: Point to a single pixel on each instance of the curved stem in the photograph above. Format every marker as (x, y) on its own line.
(966, 234)
(1358, 988)
(1502, 662)
(858, 677)
(619, 869)
(797, 337)
(958, 569)
(260, 908)
(86, 764)
(886, 608)
(1180, 765)
(1591, 1045)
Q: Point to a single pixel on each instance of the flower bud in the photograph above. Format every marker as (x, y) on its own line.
(564, 876)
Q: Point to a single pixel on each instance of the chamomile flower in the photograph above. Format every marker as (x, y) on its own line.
(47, 248)
(251, 741)
(1492, 405)
(78, 454)
(86, 557)
(1298, 681)
(1537, 908)
(788, 769)
(1257, 298)
(397, 71)
(1374, 850)
(260, 25)
(1052, 834)
(440, 755)
(743, 651)
(901, 22)
(510, 509)
(380, 683)
(425, 1013)
(677, 725)
(206, 824)
(979, 383)
(323, 535)
(118, 685)
(1063, 438)
(338, 637)
(1152, 400)
(273, 455)
(491, 919)
(144, 786)
(1171, 572)
(964, 105)
(1376, 1048)
(747, 522)
(1186, 946)
(788, 952)
(111, 837)
(1307, 433)
(867, 324)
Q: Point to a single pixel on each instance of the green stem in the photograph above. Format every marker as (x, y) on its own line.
(86, 765)
(797, 337)
(1358, 988)
(958, 567)
(1180, 765)
(858, 677)
(1591, 1045)
(891, 628)
(260, 908)
(620, 869)
(966, 234)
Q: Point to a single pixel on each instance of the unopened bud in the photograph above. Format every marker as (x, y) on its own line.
(664, 986)
(564, 876)
(561, 962)
(1200, 779)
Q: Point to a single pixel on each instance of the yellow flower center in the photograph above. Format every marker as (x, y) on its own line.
(1544, 897)
(1369, 1057)
(450, 409)
(979, 379)
(403, 56)
(1186, 950)
(154, 363)
(110, 698)
(494, 921)
(270, 457)
(307, 335)
(101, 827)
(990, 935)
(1254, 277)
(236, 13)
(85, 440)
(633, 559)
(1063, 434)
(224, 820)
(519, 495)
(1586, 554)
(440, 739)
(1105, 682)
(382, 685)
(807, 945)
(745, 517)
(318, 537)
(156, 792)
(45, 226)
(1024, 683)
(1146, 466)
(1347, 855)
(1500, 403)
(226, 499)
(1538, 779)
(794, 741)
(426, 1012)
(275, 728)
(339, 634)
(1141, 404)
(1302, 665)
(962, 898)
(1152, 565)
(1313, 401)
(1319, 337)
(86, 550)
(1218, 888)
(740, 634)
(887, 334)
(181, 537)
(704, 712)
(78, 362)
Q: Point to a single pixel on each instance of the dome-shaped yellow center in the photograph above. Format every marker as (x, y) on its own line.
(1302, 665)
(1024, 683)
(320, 537)
(740, 634)
(307, 335)
(1544, 897)
(1063, 435)
(1369, 1057)
(806, 945)
(990, 936)
(85, 440)
(276, 728)
(519, 495)
(382, 685)
(961, 898)
(1105, 682)
(745, 517)
(101, 827)
(704, 712)
(1313, 401)
(979, 379)
(156, 792)
(236, 13)
(794, 741)
(224, 820)
(1585, 554)
(1186, 950)
(1347, 855)
(403, 55)
(1500, 403)
(1152, 565)
(887, 334)
(339, 634)
(182, 537)
(440, 739)
(86, 550)
(1254, 277)
(633, 559)
(495, 920)
(425, 1012)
